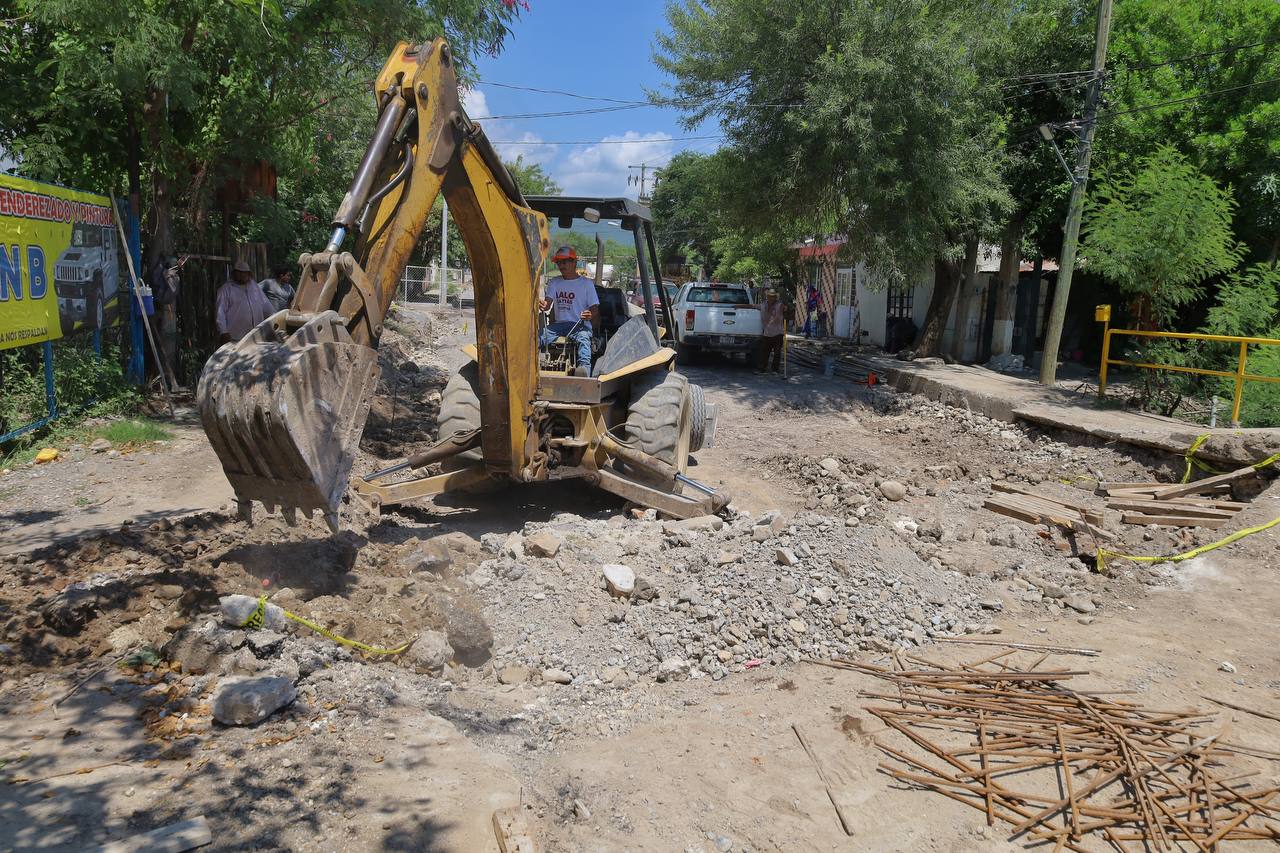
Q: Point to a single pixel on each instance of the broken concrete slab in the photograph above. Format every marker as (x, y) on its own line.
(1013, 399)
(249, 701)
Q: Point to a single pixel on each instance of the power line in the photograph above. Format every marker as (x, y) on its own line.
(561, 113)
(609, 141)
(1146, 107)
(561, 93)
(1228, 49)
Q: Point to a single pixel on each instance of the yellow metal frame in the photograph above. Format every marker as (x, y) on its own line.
(1103, 314)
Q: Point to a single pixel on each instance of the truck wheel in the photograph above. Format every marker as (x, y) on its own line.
(460, 411)
(698, 417)
(685, 354)
(96, 309)
(659, 417)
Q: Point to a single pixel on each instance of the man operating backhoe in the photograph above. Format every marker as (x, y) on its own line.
(575, 308)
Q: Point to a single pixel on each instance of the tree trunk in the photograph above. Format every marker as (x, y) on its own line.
(1275, 250)
(1007, 288)
(946, 284)
(161, 218)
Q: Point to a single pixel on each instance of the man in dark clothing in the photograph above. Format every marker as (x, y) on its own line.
(166, 283)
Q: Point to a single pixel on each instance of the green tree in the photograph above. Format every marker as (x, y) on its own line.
(1199, 75)
(531, 177)
(1248, 304)
(686, 209)
(184, 93)
(865, 119)
(1159, 233)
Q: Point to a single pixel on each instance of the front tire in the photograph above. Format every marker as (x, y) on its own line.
(659, 417)
(698, 417)
(460, 412)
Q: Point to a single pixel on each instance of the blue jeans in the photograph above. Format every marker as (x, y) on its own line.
(580, 336)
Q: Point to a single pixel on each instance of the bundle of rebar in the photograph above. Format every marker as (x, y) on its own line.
(1064, 766)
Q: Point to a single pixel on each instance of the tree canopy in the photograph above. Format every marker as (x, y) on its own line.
(1160, 231)
(188, 92)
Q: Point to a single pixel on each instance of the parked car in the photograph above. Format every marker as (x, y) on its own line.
(715, 317)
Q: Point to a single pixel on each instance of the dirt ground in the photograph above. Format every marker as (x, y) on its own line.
(110, 647)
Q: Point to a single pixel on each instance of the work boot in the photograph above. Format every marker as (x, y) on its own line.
(581, 371)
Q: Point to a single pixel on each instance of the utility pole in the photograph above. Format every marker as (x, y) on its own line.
(643, 180)
(444, 252)
(1079, 181)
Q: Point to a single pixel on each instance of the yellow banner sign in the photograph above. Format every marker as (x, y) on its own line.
(59, 264)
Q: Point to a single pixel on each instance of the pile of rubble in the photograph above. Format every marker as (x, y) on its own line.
(612, 601)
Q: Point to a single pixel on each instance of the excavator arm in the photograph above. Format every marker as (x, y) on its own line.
(285, 406)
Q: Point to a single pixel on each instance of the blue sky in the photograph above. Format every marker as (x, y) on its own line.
(586, 47)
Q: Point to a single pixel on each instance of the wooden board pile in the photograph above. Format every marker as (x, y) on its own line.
(1203, 503)
(1067, 767)
(1026, 505)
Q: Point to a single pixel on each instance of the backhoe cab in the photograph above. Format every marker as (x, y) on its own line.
(285, 406)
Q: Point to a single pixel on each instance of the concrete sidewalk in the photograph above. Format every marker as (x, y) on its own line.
(1010, 398)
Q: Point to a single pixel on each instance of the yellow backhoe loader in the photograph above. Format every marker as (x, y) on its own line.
(284, 407)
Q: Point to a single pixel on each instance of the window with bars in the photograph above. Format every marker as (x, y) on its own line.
(844, 286)
(900, 302)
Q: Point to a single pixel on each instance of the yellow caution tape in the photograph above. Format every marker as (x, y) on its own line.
(1193, 461)
(1103, 553)
(259, 613)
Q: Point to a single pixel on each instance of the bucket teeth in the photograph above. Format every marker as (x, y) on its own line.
(331, 519)
(290, 515)
(244, 509)
(284, 415)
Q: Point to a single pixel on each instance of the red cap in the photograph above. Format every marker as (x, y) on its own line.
(565, 253)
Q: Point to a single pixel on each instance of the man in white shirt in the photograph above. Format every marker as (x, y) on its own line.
(574, 305)
(241, 305)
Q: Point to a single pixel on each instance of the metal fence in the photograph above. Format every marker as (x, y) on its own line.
(1240, 374)
(422, 284)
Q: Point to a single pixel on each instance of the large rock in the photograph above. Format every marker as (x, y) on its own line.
(192, 651)
(430, 653)
(543, 543)
(71, 609)
(673, 669)
(249, 701)
(430, 556)
(620, 580)
(785, 557)
(469, 636)
(893, 490)
(701, 523)
(236, 610)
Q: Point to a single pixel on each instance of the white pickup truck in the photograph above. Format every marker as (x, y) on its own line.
(713, 317)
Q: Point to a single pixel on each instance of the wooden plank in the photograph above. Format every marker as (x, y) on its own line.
(1199, 487)
(1130, 486)
(1151, 490)
(1091, 514)
(1172, 520)
(1050, 507)
(1015, 506)
(175, 838)
(1166, 507)
(513, 831)
(1206, 502)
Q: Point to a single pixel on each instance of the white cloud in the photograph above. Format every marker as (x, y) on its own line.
(601, 169)
(475, 103)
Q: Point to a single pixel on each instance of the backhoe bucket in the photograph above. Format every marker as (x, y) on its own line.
(285, 415)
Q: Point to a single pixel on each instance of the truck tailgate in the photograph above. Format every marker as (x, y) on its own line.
(726, 320)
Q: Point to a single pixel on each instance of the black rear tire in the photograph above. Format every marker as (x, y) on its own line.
(460, 412)
(659, 417)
